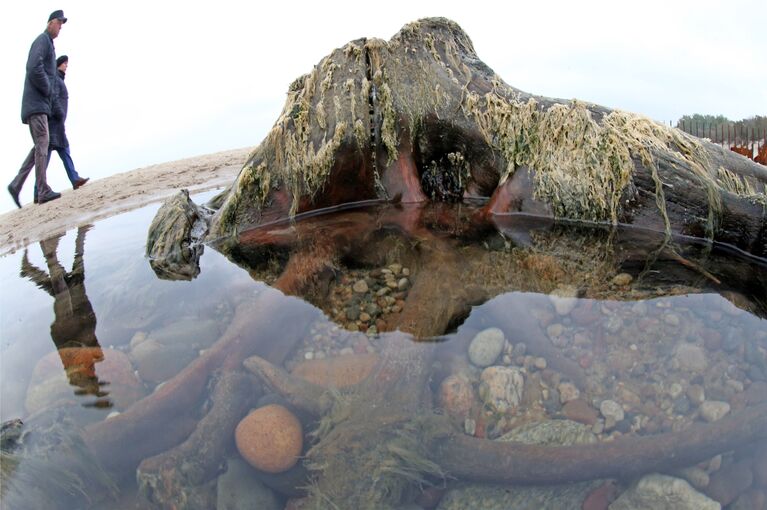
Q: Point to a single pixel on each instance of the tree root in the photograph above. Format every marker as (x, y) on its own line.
(303, 395)
(270, 326)
(178, 478)
(498, 462)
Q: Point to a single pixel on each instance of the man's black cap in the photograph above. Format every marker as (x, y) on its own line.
(57, 15)
(61, 60)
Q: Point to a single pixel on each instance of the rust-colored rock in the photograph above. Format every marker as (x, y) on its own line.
(601, 497)
(270, 438)
(579, 410)
(338, 372)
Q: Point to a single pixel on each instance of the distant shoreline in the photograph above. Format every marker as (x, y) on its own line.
(116, 194)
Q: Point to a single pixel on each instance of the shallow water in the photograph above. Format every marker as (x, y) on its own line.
(588, 315)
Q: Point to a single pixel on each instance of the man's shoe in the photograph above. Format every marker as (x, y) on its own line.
(51, 195)
(80, 182)
(14, 196)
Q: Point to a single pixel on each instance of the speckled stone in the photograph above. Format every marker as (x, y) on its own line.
(611, 409)
(456, 396)
(270, 438)
(501, 387)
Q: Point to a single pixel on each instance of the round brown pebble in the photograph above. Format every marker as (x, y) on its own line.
(270, 438)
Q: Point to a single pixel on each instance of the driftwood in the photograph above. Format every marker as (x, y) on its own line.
(421, 118)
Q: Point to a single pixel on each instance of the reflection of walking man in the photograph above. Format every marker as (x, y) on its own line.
(74, 324)
(58, 134)
(39, 87)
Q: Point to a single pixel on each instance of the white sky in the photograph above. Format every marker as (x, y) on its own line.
(156, 81)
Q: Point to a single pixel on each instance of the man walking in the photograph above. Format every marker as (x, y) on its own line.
(58, 136)
(39, 86)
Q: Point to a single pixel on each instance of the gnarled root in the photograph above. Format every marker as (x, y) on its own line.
(178, 478)
(493, 461)
(301, 394)
(270, 326)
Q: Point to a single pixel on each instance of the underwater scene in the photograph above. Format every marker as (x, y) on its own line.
(385, 357)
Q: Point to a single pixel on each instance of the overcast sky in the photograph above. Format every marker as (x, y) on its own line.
(156, 81)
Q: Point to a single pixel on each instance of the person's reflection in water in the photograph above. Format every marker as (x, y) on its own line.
(74, 328)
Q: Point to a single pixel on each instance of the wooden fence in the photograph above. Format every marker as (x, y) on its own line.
(750, 142)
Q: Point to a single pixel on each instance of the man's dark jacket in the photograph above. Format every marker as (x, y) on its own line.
(39, 82)
(59, 107)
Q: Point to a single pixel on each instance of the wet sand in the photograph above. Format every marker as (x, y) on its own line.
(109, 196)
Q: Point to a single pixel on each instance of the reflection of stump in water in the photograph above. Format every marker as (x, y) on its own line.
(384, 429)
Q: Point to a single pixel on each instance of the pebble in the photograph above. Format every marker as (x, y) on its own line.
(567, 392)
(674, 390)
(622, 279)
(501, 387)
(696, 394)
(486, 346)
(564, 299)
(239, 489)
(360, 287)
(580, 411)
(611, 409)
(696, 476)
(713, 410)
(456, 395)
(690, 357)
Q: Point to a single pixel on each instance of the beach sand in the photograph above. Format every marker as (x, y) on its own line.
(109, 196)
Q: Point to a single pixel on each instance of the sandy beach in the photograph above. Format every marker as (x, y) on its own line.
(102, 198)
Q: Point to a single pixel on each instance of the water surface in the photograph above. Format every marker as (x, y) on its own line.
(588, 315)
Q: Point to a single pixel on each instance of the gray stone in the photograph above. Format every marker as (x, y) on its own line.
(661, 492)
(239, 489)
(486, 346)
(691, 357)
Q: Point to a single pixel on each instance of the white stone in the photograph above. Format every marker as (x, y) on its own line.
(360, 287)
(713, 410)
(486, 346)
